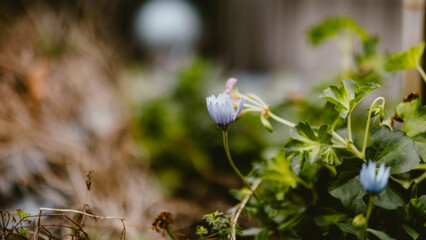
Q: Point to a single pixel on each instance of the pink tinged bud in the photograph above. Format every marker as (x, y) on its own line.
(230, 83)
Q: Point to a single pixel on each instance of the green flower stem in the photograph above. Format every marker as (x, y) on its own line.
(367, 127)
(350, 127)
(228, 154)
(422, 72)
(370, 208)
(169, 232)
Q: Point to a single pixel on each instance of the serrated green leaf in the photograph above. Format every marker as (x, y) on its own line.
(350, 194)
(347, 96)
(278, 169)
(381, 235)
(330, 115)
(405, 60)
(414, 116)
(307, 145)
(395, 149)
(332, 26)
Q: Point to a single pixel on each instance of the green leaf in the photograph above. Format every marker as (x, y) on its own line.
(413, 234)
(347, 96)
(347, 228)
(381, 235)
(22, 232)
(389, 198)
(421, 150)
(405, 60)
(332, 26)
(350, 194)
(329, 219)
(330, 115)
(306, 144)
(350, 168)
(263, 235)
(395, 149)
(414, 116)
(278, 169)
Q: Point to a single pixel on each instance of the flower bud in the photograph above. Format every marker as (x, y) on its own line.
(359, 221)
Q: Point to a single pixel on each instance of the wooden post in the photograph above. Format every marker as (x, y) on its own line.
(412, 34)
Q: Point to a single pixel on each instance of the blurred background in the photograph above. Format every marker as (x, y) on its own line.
(118, 88)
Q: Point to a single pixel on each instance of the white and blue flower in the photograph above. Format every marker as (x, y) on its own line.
(371, 182)
(222, 111)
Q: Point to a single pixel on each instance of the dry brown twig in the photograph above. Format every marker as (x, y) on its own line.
(239, 208)
(97, 218)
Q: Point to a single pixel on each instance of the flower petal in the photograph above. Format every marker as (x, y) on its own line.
(239, 108)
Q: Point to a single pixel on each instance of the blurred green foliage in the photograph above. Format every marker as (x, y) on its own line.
(332, 27)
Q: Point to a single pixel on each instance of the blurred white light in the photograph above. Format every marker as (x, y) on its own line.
(167, 24)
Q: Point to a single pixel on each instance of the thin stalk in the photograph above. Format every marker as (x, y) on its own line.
(367, 127)
(281, 120)
(350, 128)
(258, 99)
(370, 208)
(422, 72)
(252, 106)
(351, 147)
(169, 232)
(228, 154)
(248, 99)
(234, 219)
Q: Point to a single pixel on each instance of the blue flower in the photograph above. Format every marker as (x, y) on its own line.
(222, 111)
(371, 182)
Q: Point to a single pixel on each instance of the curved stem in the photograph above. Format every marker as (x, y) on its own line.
(169, 232)
(228, 154)
(367, 127)
(422, 72)
(350, 128)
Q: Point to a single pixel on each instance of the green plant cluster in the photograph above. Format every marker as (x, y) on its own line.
(312, 189)
(219, 226)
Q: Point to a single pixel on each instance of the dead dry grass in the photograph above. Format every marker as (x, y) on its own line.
(61, 115)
